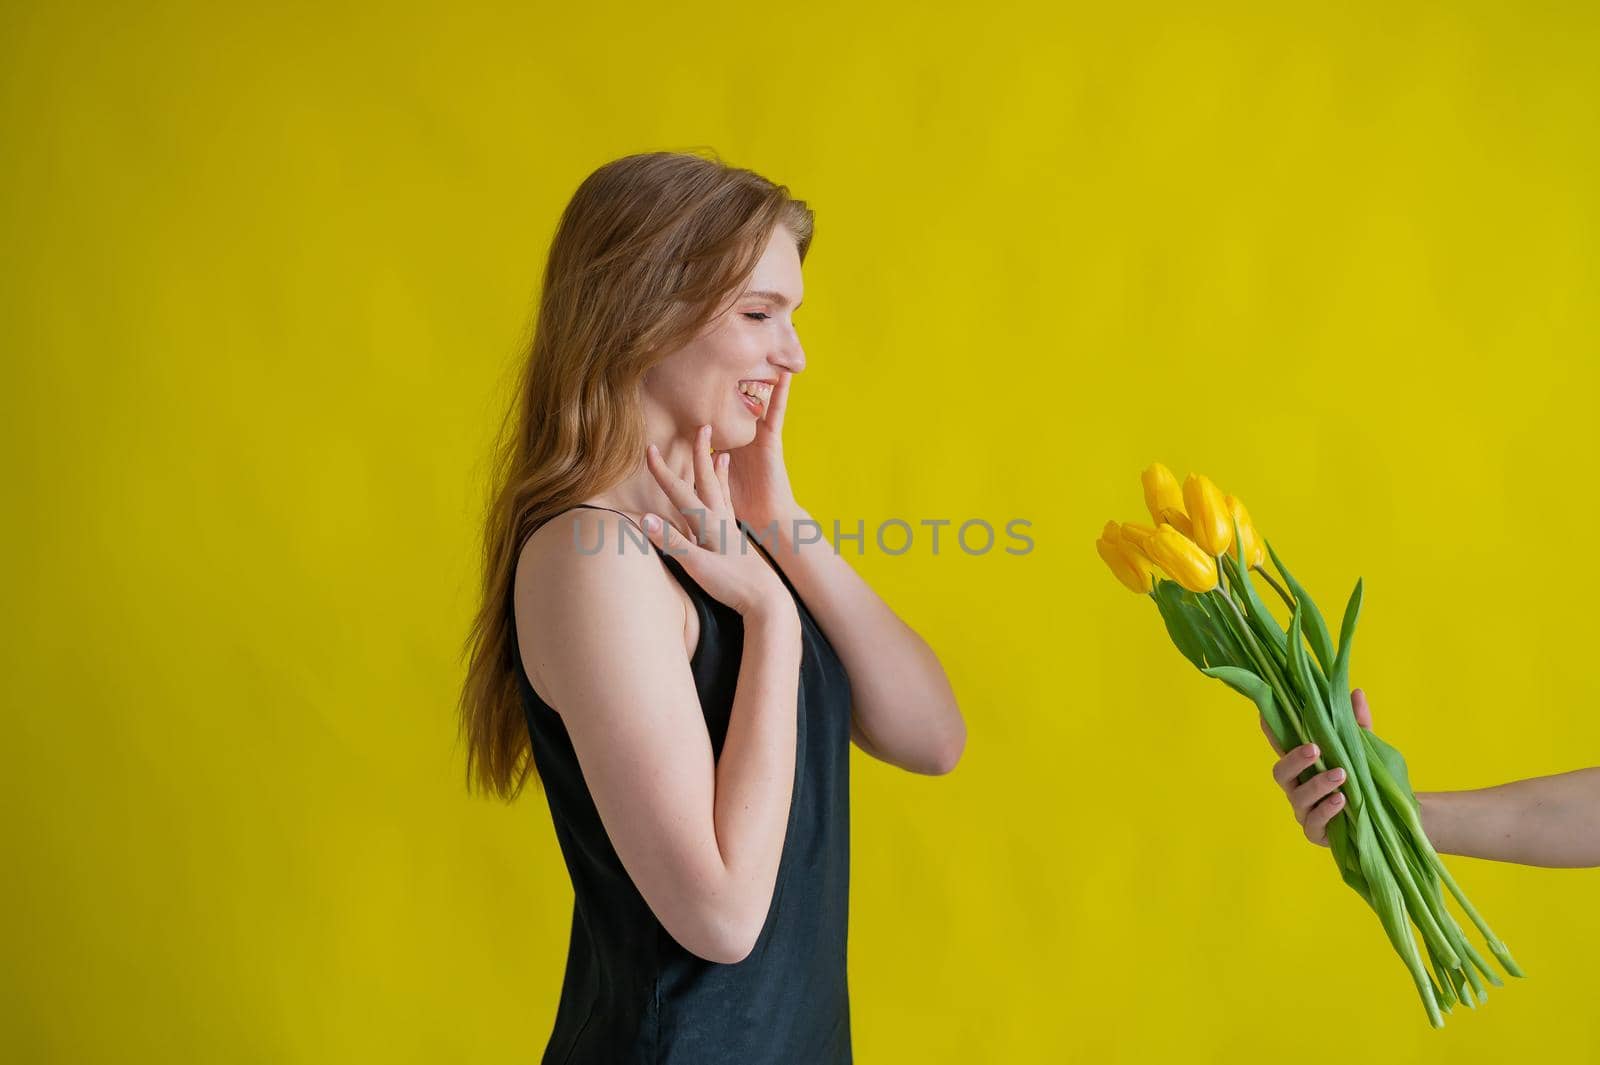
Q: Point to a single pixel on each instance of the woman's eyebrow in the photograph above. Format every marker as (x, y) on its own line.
(773, 297)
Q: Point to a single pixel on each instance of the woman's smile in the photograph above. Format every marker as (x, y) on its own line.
(755, 395)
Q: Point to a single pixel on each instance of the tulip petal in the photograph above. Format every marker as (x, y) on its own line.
(1208, 513)
(1161, 492)
(1246, 537)
(1125, 564)
(1181, 559)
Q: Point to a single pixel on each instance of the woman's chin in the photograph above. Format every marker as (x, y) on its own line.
(734, 434)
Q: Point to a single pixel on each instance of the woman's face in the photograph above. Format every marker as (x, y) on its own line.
(725, 375)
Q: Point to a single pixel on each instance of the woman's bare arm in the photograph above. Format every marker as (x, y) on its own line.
(602, 635)
(903, 709)
(1550, 821)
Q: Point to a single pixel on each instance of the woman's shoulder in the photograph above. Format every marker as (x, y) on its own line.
(583, 582)
(585, 553)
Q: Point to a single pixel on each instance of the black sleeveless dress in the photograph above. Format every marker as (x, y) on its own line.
(631, 994)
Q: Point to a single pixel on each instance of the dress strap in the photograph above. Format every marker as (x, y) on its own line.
(630, 521)
(613, 510)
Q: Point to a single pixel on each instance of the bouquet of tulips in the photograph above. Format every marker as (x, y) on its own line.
(1195, 561)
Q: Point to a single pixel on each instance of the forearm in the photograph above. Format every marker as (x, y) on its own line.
(1550, 821)
(755, 773)
(901, 700)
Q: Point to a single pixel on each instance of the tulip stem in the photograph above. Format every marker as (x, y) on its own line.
(1267, 668)
(1281, 593)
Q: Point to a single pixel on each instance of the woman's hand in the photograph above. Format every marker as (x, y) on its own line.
(1316, 801)
(720, 562)
(760, 480)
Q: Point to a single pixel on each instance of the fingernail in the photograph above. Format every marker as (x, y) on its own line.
(650, 522)
(1337, 774)
(652, 449)
(1316, 752)
(1337, 799)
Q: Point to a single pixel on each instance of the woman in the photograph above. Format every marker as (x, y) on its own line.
(686, 694)
(1550, 821)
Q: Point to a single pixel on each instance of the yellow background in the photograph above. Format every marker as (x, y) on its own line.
(268, 271)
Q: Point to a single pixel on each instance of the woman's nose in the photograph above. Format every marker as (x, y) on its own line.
(791, 356)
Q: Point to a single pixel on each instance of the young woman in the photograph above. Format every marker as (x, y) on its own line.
(1550, 821)
(666, 643)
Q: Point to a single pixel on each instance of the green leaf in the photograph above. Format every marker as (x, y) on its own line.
(1392, 912)
(1259, 692)
(1341, 712)
(1262, 623)
(1394, 763)
(1393, 791)
(1340, 709)
(1223, 629)
(1345, 857)
(1316, 629)
(1180, 624)
(1356, 786)
(1307, 688)
(1261, 619)
(1339, 675)
(1383, 791)
(1186, 623)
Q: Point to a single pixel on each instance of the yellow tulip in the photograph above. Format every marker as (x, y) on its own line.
(1177, 519)
(1255, 554)
(1161, 493)
(1182, 559)
(1135, 534)
(1208, 513)
(1127, 562)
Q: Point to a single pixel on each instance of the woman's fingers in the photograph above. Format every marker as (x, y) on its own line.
(1316, 801)
(706, 485)
(1358, 702)
(1313, 791)
(1316, 823)
(1291, 765)
(678, 490)
(778, 402)
(722, 479)
(665, 536)
(1267, 732)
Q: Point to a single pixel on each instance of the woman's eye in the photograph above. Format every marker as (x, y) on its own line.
(757, 316)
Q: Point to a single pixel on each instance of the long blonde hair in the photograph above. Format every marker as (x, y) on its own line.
(646, 251)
